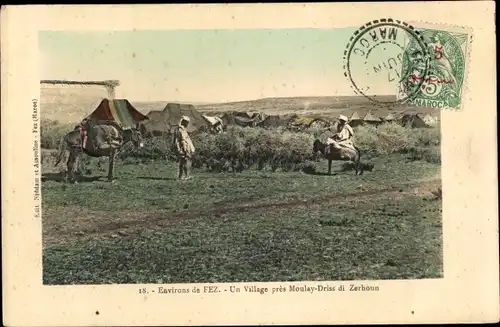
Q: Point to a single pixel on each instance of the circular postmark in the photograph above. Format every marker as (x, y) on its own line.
(387, 61)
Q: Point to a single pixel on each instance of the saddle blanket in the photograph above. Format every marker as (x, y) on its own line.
(339, 145)
(83, 135)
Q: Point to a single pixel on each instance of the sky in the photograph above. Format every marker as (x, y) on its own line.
(202, 65)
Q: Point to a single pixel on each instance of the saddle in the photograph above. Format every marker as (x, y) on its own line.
(334, 146)
(83, 136)
(99, 138)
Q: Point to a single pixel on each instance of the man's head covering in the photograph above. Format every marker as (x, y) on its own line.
(218, 120)
(343, 118)
(185, 118)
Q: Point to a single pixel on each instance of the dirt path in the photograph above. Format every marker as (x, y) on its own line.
(92, 225)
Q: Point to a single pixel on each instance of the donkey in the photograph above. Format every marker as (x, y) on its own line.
(104, 139)
(345, 154)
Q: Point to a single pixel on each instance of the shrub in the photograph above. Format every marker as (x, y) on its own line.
(427, 136)
(154, 148)
(52, 133)
(242, 148)
(385, 139)
(430, 154)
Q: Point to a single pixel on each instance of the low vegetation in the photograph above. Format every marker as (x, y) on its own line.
(52, 132)
(277, 149)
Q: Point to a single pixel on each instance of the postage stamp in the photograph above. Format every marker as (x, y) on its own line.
(422, 66)
(443, 86)
(199, 164)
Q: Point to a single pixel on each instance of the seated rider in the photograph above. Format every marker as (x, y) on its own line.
(343, 137)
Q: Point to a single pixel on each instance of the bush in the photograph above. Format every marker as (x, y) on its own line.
(52, 133)
(241, 148)
(385, 139)
(429, 154)
(427, 136)
(154, 148)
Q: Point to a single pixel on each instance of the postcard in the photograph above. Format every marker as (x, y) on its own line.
(249, 164)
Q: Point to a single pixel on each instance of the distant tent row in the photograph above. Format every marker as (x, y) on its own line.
(418, 120)
(243, 119)
(415, 120)
(369, 118)
(159, 122)
(277, 121)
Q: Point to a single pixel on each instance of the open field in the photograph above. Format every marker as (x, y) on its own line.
(252, 226)
(325, 106)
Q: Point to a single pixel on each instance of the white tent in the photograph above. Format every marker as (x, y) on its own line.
(212, 120)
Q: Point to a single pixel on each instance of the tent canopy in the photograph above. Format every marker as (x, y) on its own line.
(171, 115)
(371, 118)
(119, 110)
(389, 117)
(211, 119)
(355, 116)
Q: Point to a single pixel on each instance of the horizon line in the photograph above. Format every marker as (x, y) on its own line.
(253, 99)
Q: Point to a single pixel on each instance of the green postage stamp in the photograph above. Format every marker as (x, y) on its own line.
(444, 84)
(423, 65)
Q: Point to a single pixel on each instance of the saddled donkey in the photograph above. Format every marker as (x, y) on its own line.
(330, 152)
(103, 139)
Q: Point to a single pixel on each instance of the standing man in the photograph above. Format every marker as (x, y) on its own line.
(184, 148)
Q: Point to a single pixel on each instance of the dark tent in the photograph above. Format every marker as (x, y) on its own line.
(161, 122)
(276, 120)
(371, 119)
(355, 120)
(243, 120)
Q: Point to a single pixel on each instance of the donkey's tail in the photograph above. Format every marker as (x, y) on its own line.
(62, 149)
(359, 153)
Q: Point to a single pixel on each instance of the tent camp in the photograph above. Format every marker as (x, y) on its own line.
(161, 122)
(276, 120)
(355, 120)
(212, 119)
(389, 118)
(242, 119)
(371, 119)
(414, 120)
(430, 120)
(119, 110)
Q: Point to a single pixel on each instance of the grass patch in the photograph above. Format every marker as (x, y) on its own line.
(153, 185)
(334, 241)
(252, 226)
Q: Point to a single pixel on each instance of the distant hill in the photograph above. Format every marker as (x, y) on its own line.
(321, 105)
(72, 107)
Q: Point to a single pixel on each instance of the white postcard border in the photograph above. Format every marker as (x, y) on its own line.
(467, 293)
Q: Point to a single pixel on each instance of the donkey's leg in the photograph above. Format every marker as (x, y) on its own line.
(71, 166)
(359, 165)
(329, 166)
(361, 168)
(111, 167)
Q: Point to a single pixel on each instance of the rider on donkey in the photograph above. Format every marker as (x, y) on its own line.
(344, 135)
